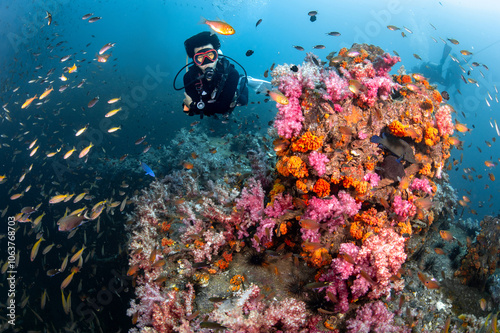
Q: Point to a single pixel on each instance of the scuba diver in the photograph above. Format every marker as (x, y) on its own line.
(435, 72)
(212, 84)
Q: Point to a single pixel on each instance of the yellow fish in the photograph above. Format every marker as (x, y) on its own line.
(85, 150)
(112, 112)
(68, 154)
(64, 263)
(28, 102)
(38, 219)
(34, 250)
(16, 196)
(114, 129)
(79, 197)
(81, 130)
(32, 144)
(114, 100)
(46, 92)
(44, 299)
(77, 255)
(78, 211)
(33, 152)
(53, 153)
(67, 280)
(58, 198)
(72, 69)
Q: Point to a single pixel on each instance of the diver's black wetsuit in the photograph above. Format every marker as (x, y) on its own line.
(225, 79)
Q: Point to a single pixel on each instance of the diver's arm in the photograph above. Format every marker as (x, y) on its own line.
(190, 92)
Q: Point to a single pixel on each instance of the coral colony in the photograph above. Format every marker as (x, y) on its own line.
(360, 158)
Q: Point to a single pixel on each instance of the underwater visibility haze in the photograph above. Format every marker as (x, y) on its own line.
(355, 191)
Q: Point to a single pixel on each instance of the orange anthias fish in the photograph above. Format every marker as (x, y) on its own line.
(72, 68)
(28, 102)
(219, 27)
(461, 127)
(428, 282)
(278, 97)
(446, 235)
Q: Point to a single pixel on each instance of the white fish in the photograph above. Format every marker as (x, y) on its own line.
(496, 127)
(487, 103)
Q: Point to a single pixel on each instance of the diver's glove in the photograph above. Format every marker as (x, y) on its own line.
(259, 85)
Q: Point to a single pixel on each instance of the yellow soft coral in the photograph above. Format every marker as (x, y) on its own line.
(322, 188)
(306, 142)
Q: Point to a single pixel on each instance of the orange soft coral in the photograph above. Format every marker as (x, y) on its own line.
(362, 187)
(165, 226)
(301, 186)
(277, 188)
(370, 217)
(406, 79)
(343, 52)
(426, 170)
(437, 96)
(322, 188)
(431, 136)
(292, 166)
(349, 181)
(405, 227)
(356, 230)
(166, 242)
(320, 257)
(306, 142)
(397, 128)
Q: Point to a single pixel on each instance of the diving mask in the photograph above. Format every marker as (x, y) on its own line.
(205, 56)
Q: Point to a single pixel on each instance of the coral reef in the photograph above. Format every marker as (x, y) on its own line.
(360, 156)
(483, 254)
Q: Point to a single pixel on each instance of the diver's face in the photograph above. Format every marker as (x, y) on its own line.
(209, 65)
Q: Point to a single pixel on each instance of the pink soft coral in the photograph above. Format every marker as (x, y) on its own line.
(289, 118)
(381, 256)
(336, 87)
(403, 208)
(373, 317)
(251, 203)
(421, 185)
(318, 161)
(265, 227)
(384, 64)
(443, 120)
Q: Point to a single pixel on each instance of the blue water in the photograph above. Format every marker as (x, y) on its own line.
(149, 51)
